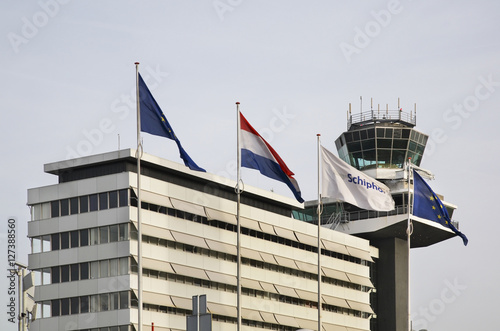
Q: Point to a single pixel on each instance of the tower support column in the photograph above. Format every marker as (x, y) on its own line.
(392, 287)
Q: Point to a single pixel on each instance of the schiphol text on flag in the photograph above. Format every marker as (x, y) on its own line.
(343, 182)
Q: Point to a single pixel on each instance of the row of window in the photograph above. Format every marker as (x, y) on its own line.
(111, 234)
(381, 147)
(112, 328)
(188, 248)
(387, 133)
(257, 324)
(232, 258)
(82, 271)
(87, 304)
(80, 238)
(246, 261)
(219, 318)
(81, 204)
(246, 231)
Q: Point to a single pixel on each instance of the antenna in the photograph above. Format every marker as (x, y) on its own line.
(349, 117)
(415, 115)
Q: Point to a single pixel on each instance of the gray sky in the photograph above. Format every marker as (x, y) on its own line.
(67, 89)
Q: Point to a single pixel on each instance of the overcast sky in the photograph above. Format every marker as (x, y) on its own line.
(68, 89)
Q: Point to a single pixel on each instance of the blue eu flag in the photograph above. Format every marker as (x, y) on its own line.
(154, 122)
(426, 204)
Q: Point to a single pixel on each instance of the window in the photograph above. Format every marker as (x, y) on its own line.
(103, 267)
(46, 309)
(133, 301)
(113, 301)
(65, 306)
(400, 143)
(74, 239)
(54, 209)
(103, 201)
(124, 300)
(113, 199)
(84, 204)
(75, 305)
(55, 275)
(55, 307)
(103, 302)
(64, 240)
(84, 304)
(46, 276)
(113, 267)
(94, 270)
(123, 265)
(123, 231)
(73, 205)
(123, 197)
(46, 243)
(94, 236)
(133, 265)
(64, 273)
(64, 207)
(84, 270)
(84, 237)
(94, 303)
(55, 241)
(103, 235)
(36, 212)
(75, 272)
(36, 245)
(384, 143)
(93, 202)
(113, 233)
(37, 277)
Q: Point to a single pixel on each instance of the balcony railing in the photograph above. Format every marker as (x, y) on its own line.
(345, 217)
(381, 116)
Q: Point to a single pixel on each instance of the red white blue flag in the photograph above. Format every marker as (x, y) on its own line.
(257, 154)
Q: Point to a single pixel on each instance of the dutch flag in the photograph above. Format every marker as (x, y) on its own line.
(256, 153)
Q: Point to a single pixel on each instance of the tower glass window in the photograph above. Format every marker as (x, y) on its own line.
(381, 147)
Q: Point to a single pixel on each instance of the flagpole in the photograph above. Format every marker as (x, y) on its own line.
(409, 231)
(139, 203)
(238, 225)
(319, 236)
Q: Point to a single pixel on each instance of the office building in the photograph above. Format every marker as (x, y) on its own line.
(83, 231)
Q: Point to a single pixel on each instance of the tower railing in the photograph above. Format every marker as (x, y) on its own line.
(381, 116)
(334, 219)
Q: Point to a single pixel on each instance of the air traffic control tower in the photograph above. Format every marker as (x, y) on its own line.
(379, 143)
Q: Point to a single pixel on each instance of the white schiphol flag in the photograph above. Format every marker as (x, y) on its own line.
(345, 183)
